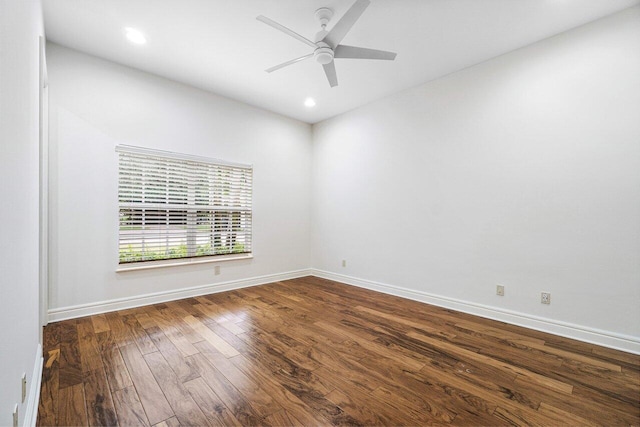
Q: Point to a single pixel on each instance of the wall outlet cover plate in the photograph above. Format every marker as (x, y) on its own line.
(545, 298)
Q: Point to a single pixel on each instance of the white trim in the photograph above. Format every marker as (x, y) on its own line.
(33, 398)
(43, 168)
(587, 334)
(146, 265)
(122, 148)
(72, 312)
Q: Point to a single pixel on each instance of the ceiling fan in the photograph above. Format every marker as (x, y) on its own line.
(327, 43)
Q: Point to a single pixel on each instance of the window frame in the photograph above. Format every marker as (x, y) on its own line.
(233, 195)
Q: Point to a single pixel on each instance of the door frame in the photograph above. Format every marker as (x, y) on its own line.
(43, 119)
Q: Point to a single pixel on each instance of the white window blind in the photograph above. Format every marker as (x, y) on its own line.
(176, 206)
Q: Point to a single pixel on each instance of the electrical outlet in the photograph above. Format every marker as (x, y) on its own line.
(500, 290)
(545, 297)
(24, 387)
(344, 262)
(15, 416)
(216, 270)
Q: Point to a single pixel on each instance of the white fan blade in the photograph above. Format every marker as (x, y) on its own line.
(285, 30)
(284, 64)
(345, 23)
(343, 51)
(330, 71)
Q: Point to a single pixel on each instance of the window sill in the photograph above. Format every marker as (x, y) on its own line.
(176, 262)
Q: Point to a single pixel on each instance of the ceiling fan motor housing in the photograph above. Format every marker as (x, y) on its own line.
(323, 54)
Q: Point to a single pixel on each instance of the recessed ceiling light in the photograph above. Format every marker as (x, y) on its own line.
(135, 36)
(309, 102)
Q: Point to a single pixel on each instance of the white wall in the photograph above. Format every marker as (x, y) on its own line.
(96, 105)
(20, 28)
(523, 171)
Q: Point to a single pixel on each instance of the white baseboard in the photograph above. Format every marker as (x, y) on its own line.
(578, 332)
(72, 312)
(569, 330)
(33, 398)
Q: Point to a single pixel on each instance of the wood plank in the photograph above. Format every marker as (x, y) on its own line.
(210, 403)
(627, 359)
(295, 407)
(146, 321)
(185, 409)
(139, 335)
(232, 327)
(282, 367)
(129, 408)
(172, 355)
(49, 390)
(215, 312)
(88, 346)
(104, 341)
(119, 331)
(71, 406)
(100, 408)
(493, 379)
(115, 369)
(395, 318)
(622, 408)
(261, 401)
(171, 317)
(438, 410)
(488, 331)
(284, 345)
(541, 379)
(367, 411)
(511, 411)
(51, 336)
(70, 365)
(228, 394)
(131, 312)
(373, 346)
(318, 403)
(233, 340)
(172, 332)
(591, 407)
(171, 422)
(363, 378)
(151, 396)
(100, 324)
(214, 339)
(282, 418)
(569, 417)
(516, 416)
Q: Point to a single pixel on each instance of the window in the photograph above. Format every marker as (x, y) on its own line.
(175, 206)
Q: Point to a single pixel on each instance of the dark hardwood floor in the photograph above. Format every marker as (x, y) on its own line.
(314, 352)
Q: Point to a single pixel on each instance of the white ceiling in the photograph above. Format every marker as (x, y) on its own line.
(219, 46)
